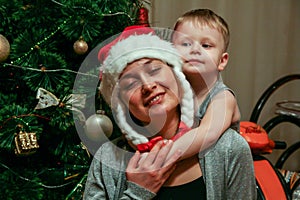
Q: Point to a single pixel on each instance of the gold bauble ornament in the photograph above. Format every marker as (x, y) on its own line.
(80, 46)
(4, 48)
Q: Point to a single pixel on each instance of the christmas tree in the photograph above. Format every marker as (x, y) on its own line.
(43, 44)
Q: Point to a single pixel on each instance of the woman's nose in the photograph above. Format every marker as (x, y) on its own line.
(148, 87)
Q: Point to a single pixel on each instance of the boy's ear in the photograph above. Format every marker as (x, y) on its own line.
(223, 61)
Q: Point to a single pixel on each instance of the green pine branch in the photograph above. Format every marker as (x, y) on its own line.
(41, 34)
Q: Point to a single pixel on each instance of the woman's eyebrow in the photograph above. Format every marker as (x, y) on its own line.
(130, 75)
(126, 76)
(149, 61)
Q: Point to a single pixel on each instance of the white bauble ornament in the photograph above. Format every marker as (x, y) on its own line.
(98, 127)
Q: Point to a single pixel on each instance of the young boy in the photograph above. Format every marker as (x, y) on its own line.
(202, 39)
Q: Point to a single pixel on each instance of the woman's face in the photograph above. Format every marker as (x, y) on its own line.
(148, 87)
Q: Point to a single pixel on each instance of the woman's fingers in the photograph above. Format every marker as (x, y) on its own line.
(161, 155)
(152, 155)
(143, 157)
(133, 162)
(150, 170)
(156, 158)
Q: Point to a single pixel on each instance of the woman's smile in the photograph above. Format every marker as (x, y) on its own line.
(154, 99)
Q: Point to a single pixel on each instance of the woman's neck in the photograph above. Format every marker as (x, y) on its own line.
(169, 127)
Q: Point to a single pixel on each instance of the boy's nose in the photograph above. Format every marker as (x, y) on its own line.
(196, 48)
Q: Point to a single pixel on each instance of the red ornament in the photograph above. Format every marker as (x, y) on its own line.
(142, 17)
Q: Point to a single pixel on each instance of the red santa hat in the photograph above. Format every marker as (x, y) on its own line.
(133, 44)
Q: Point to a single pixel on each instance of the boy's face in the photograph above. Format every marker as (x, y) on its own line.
(201, 48)
(147, 87)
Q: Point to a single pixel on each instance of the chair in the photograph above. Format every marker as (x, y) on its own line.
(271, 184)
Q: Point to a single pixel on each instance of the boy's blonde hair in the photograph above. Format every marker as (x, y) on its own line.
(209, 18)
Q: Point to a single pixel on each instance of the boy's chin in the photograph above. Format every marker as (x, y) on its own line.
(192, 69)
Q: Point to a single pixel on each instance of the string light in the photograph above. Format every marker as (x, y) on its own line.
(40, 43)
(61, 26)
(50, 70)
(93, 12)
(19, 117)
(38, 183)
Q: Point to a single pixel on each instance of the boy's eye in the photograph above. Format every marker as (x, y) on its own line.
(206, 46)
(186, 44)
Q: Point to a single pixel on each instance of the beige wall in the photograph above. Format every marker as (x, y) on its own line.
(265, 41)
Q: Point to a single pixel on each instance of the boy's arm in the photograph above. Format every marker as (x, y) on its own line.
(220, 113)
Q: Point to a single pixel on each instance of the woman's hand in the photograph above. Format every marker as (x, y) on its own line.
(150, 170)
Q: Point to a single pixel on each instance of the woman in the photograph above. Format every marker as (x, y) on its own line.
(151, 100)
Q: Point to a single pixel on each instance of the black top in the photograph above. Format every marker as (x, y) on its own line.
(192, 190)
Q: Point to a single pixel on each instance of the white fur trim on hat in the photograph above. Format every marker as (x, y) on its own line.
(134, 48)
